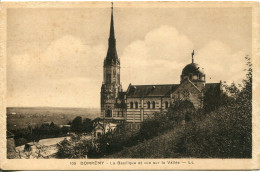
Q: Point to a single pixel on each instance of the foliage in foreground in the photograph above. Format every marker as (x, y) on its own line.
(74, 148)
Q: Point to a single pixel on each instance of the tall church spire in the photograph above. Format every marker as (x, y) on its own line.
(111, 57)
(112, 32)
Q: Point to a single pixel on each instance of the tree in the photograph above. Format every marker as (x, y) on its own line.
(54, 130)
(212, 99)
(64, 130)
(180, 110)
(76, 124)
(87, 125)
(44, 130)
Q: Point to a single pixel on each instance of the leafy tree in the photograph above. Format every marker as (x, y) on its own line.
(54, 130)
(76, 124)
(87, 125)
(180, 110)
(64, 130)
(213, 98)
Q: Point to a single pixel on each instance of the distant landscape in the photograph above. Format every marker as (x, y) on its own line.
(21, 117)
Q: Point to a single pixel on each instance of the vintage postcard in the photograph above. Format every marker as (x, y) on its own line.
(129, 85)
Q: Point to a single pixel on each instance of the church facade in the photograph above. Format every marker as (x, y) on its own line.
(140, 102)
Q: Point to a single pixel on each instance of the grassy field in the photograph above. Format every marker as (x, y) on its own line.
(20, 117)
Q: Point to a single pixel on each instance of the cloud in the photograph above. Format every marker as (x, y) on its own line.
(67, 73)
(160, 57)
(220, 63)
(157, 59)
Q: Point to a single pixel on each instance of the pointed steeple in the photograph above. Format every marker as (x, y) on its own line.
(112, 32)
(111, 58)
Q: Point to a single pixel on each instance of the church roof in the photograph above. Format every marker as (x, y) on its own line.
(160, 90)
(150, 90)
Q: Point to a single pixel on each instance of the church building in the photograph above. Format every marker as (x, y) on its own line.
(139, 102)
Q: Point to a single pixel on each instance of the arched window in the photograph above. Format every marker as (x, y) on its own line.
(136, 105)
(148, 105)
(131, 105)
(153, 104)
(166, 105)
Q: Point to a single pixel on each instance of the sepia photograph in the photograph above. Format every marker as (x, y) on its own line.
(128, 81)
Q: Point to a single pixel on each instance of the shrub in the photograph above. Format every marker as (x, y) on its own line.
(74, 148)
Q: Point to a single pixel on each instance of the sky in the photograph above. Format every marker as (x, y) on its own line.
(55, 56)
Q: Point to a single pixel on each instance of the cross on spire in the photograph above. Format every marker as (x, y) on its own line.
(192, 55)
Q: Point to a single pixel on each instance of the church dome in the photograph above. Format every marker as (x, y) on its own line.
(193, 69)
(193, 72)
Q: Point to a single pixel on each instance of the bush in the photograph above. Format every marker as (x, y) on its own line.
(180, 110)
(74, 148)
(154, 126)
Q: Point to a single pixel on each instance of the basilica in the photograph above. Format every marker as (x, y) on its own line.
(139, 102)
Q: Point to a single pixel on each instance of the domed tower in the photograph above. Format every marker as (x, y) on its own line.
(194, 73)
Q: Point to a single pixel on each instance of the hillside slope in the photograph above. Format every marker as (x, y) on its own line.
(220, 134)
(159, 147)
